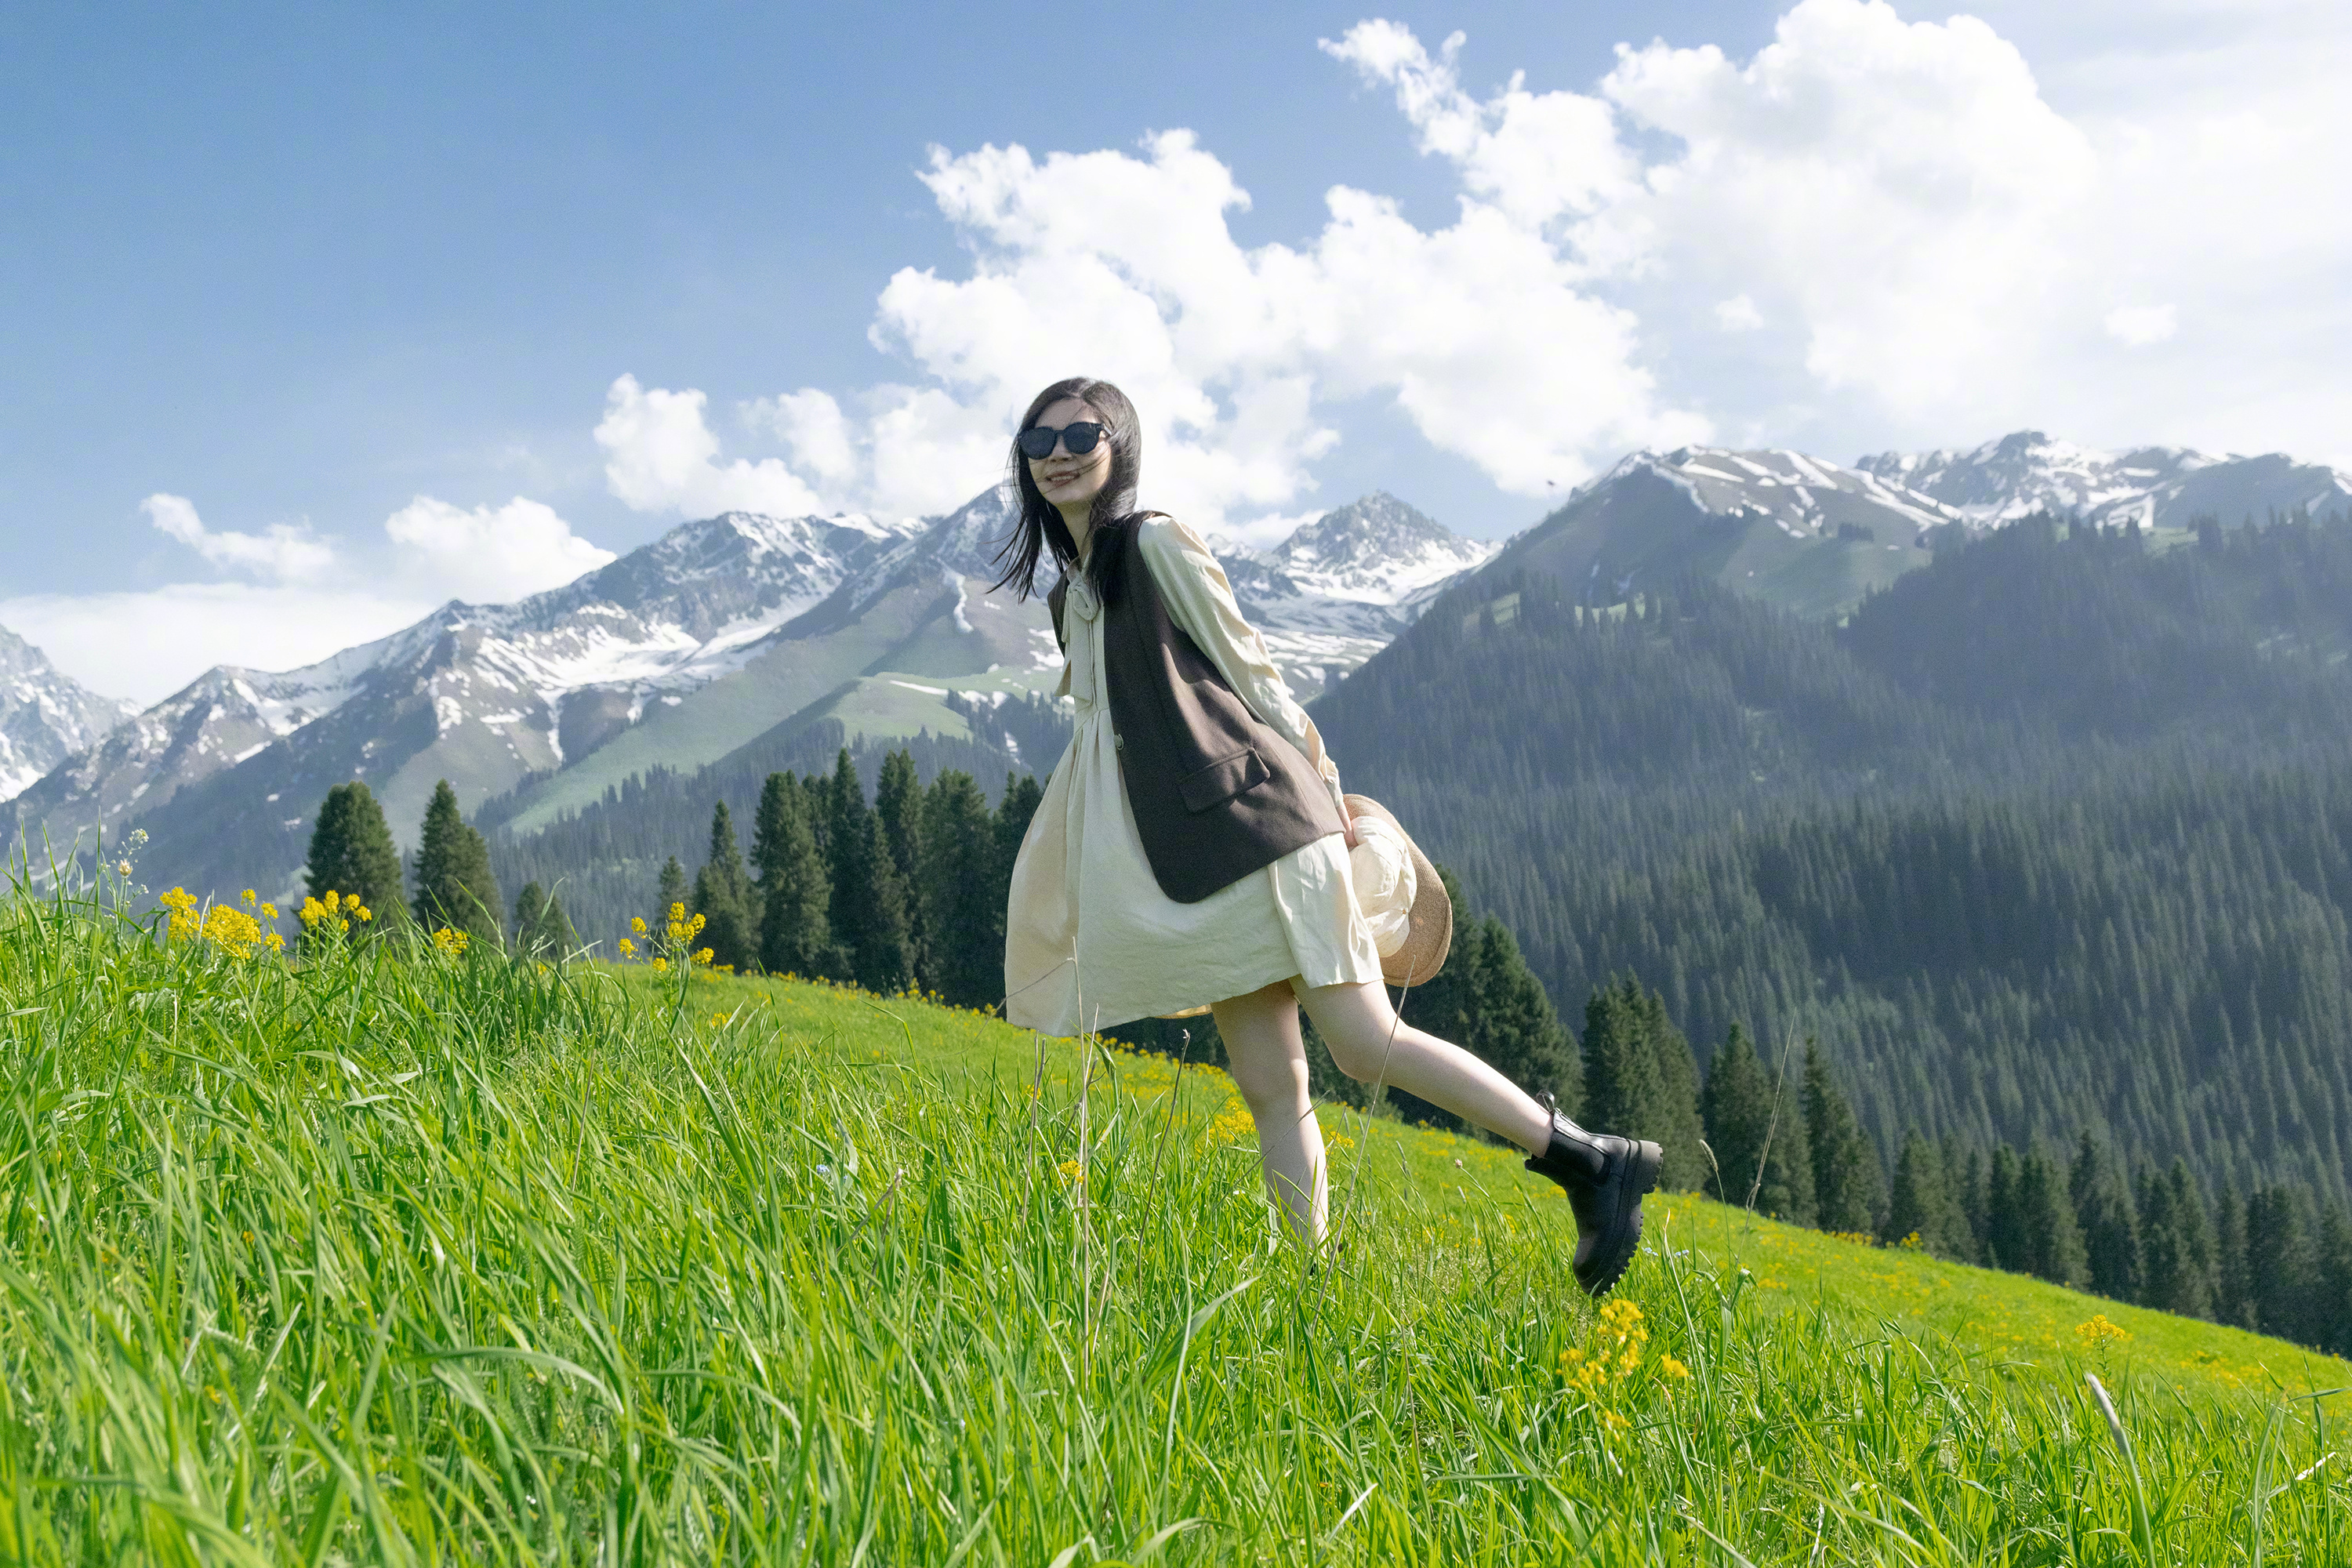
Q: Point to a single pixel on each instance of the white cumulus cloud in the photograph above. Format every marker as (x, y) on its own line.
(286, 552)
(488, 554)
(1124, 264)
(660, 455)
(1940, 236)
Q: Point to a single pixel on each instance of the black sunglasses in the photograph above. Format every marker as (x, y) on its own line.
(1036, 443)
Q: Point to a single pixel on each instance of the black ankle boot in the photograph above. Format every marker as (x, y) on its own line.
(1605, 1176)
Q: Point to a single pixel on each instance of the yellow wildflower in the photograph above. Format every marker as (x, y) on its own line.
(638, 924)
(660, 965)
(1230, 1125)
(628, 948)
(452, 942)
(2098, 1333)
(232, 931)
(1669, 1367)
(182, 905)
(1072, 1173)
(250, 896)
(269, 912)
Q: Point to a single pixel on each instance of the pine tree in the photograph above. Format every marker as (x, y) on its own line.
(2109, 1225)
(1971, 1174)
(2005, 1243)
(722, 897)
(2279, 1272)
(541, 929)
(454, 885)
(1849, 1185)
(869, 901)
(530, 904)
(2332, 1282)
(352, 853)
(2054, 1246)
(2176, 1248)
(794, 894)
(1926, 1203)
(2234, 1300)
(1014, 811)
(816, 791)
(1686, 1168)
(965, 923)
(671, 893)
(556, 936)
(1757, 1130)
(898, 807)
(1623, 1093)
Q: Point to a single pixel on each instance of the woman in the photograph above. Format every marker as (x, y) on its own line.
(1192, 846)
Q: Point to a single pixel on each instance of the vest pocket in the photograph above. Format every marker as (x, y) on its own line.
(1222, 780)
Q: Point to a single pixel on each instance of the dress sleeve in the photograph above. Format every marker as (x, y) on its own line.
(1200, 600)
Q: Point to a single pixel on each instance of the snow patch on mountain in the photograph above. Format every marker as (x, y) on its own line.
(1806, 497)
(45, 715)
(1341, 587)
(661, 621)
(2156, 487)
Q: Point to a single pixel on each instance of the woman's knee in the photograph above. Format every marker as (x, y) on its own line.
(1263, 1055)
(1268, 1081)
(1357, 1030)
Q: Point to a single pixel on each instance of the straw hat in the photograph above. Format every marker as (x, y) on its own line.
(1429, 923)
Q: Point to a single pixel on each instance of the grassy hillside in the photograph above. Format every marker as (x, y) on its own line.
(445, 1258)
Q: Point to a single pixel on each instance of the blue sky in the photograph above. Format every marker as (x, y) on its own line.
(293, 275)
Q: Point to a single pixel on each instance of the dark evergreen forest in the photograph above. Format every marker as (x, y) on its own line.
(2052, 837)
(603, 862)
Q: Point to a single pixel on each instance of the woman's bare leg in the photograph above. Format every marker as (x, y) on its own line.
(1267, 1061)
(1370, 1043)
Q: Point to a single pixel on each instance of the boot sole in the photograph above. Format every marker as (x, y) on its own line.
(1625, 1228)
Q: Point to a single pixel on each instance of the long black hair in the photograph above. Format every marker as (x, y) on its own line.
(1040, 530)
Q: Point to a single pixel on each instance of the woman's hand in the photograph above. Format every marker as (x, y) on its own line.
(1351, 832)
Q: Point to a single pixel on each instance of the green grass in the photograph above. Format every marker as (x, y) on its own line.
(447, 1261)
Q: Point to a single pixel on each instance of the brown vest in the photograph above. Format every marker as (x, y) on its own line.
(1216, 793)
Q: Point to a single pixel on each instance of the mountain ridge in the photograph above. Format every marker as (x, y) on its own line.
(45, 715)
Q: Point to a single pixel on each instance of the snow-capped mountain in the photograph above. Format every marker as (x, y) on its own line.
(479, 694)
(46, 716)
(1798, 530)
(1341, 588)
(2156, 486)
(671, 657)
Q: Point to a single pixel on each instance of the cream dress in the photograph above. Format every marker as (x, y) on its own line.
(1089, 939)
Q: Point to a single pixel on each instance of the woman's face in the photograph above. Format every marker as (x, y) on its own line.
(1066, 482)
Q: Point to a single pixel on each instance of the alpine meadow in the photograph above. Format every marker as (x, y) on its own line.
(419, 1251)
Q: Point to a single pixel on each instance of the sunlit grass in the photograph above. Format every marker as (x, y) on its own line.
(439, 1257)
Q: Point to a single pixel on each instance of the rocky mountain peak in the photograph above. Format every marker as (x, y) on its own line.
(2027, 471)
(45, 715)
